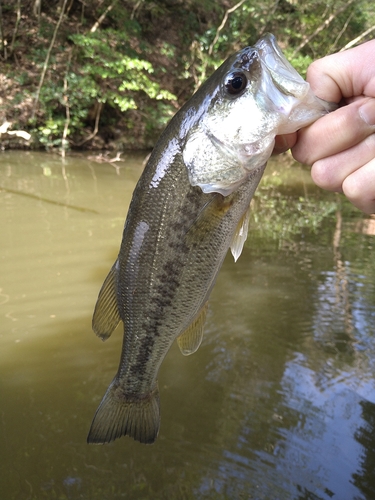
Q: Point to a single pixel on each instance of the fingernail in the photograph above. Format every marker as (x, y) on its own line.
(280, 143)
(367, 112)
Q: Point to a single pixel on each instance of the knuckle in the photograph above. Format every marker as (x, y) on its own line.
(324, 177)
(352, 188)
(369, 144)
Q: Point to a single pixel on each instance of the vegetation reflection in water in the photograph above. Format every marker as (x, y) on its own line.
(278, 402)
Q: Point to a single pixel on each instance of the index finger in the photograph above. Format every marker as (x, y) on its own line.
(344, 74)
(337, 131)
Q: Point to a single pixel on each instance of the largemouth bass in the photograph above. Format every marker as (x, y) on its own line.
(189, 207)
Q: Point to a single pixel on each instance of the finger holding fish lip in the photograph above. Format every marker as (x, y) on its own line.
(341, 149)
(344, 75)
(336, 132)
(341, 146)
(284, 142)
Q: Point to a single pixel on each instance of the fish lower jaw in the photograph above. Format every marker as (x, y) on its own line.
(226, 188)
(255, 151)
(251, 149)
(255, 154)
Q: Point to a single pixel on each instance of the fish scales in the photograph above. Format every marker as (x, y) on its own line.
(190, 205)
(181, 279)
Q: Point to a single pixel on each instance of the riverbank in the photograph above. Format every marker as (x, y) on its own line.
(109, 75)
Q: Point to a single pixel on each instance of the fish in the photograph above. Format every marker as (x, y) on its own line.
(190, 205)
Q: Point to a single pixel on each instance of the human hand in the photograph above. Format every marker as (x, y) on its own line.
(341, 145)
(284, 142)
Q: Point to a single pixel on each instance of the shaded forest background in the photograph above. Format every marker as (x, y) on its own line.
(109, 74)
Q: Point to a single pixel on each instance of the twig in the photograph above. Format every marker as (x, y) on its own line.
(103, 158)
(356, 40)
(102, 17)
(3, 41)
(211, 47)
(223, 22)
(16, 26)
(269, 15)
(37, 9)
(135, 8)
(45, 65)
(320, 28)
(67, 108)
(342, 31)
(96, 127)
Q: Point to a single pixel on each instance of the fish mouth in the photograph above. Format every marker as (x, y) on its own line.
(283, 75)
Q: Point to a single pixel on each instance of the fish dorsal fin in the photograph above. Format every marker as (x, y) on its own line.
(240, 235)
(106, 316)
(191, 338)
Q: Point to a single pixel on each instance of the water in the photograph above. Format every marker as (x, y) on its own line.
(278, 402)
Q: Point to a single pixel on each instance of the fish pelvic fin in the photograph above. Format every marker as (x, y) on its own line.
(119, 415)
(106, 316)
(240, 235)
(190, 340)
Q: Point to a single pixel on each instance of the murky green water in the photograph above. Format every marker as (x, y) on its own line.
(279, 401)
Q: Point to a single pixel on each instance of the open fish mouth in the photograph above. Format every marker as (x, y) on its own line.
(260, 95)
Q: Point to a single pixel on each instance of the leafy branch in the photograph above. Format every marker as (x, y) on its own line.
(45, 65)
(358, 38)
(321, 27)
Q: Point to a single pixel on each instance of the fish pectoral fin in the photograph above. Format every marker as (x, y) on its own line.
(240, 235)
(106, 316)
(190, 340)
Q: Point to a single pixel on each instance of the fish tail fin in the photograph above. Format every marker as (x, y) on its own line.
(119, 415)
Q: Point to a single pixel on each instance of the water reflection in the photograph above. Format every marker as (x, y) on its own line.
(277, 403)
(363, 479)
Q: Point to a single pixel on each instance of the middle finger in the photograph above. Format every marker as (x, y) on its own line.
(335, 132)
(330, 173)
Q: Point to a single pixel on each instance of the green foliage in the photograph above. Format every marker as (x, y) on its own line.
(299, 62)
(50, 133)
(109, 67)
(282, 213)
(104, 70)
(144, 59)
(305, 30)
(283, 217)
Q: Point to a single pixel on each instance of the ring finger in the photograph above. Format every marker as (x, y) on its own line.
(359, 187)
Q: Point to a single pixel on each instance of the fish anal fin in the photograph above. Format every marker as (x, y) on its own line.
(106, 316)
(191, 338)
(119, 415)
(240, 235)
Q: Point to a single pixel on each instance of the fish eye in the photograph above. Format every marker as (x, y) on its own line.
(235, 82)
